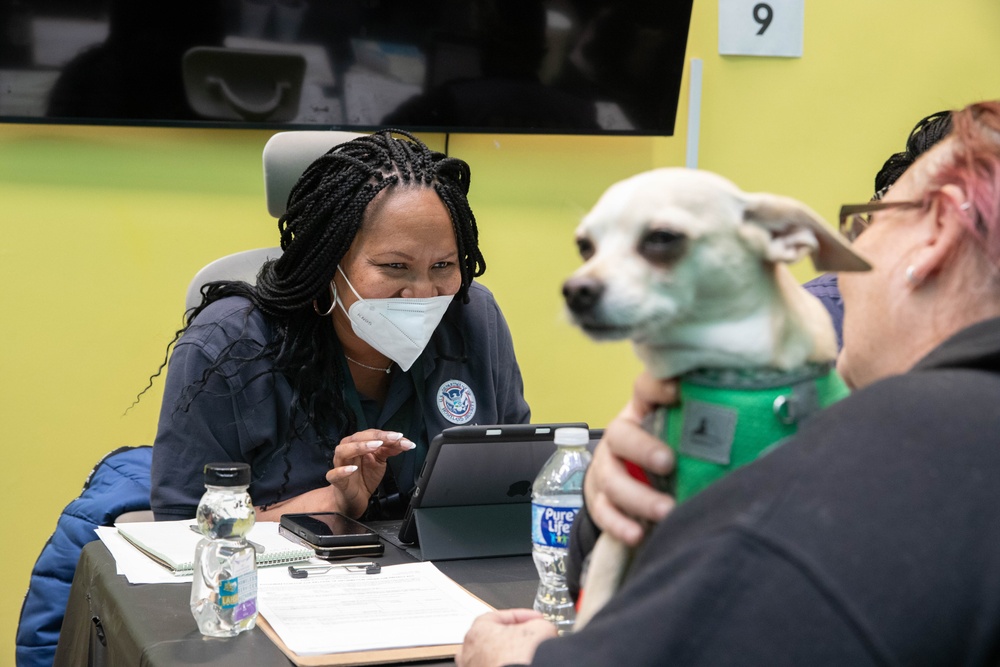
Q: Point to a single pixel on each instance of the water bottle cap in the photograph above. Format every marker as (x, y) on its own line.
(572, 436)
(227, 474)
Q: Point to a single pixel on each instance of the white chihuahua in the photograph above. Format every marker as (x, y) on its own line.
(692, 270)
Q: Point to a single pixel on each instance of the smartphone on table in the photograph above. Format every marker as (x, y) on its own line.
(331, 534)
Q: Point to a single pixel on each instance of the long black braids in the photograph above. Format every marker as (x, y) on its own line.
(928, 131)
(325, 210)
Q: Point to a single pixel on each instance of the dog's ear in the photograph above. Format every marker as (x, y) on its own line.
(794, 229)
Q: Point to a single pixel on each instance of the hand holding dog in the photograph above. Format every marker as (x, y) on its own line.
(503, 638)
(618, 503)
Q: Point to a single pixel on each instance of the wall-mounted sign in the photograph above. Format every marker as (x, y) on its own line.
(758, 28)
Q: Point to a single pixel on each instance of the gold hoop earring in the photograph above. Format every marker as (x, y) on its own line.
(333, 302)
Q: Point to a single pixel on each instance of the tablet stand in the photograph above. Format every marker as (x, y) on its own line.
(474, 531)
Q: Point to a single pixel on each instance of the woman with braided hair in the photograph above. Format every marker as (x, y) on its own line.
(365, 339)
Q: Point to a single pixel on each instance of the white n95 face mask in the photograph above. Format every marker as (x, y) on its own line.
(399, 328)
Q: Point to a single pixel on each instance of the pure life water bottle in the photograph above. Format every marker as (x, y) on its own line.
(556, 497)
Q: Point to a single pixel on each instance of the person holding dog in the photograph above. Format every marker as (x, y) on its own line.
(927, 132)
(366, 338)
(869, 537)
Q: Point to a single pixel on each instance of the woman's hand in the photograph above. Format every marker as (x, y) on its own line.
(617, 502)
(358, 467)
(504, 638)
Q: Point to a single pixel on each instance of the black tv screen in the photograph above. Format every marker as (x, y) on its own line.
(526, 66)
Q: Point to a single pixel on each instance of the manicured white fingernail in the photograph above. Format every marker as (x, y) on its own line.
(407, 444)
(392, 436)
(349, 469)
(373, 444)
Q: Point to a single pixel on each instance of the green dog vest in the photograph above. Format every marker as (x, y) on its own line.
(728, 418)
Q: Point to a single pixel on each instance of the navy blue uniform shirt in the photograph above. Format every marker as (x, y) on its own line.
(467, 375)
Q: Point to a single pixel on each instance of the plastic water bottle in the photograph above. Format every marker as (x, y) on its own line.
(224, 588)
(556, 497)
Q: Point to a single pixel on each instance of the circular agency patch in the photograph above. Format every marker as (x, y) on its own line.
(456, 401)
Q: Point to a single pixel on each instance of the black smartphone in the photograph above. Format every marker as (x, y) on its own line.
(328, 529)
(336, 553)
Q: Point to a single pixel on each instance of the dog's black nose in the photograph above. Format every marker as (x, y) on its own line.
(582, 294)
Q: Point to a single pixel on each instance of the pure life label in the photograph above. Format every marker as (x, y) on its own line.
(550, 526)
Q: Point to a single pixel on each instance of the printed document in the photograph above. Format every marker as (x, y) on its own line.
(345, 611)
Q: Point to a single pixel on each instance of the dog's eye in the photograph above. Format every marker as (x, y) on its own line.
(586, 247)
(660, 246)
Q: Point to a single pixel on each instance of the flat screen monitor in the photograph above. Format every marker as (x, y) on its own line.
(524, 66)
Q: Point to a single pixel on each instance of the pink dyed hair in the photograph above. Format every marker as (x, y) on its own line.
(973, 164)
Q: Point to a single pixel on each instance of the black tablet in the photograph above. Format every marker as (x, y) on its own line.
(482, 465)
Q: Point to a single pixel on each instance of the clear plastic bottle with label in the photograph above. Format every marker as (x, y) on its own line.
(556, 497)
(224, 587)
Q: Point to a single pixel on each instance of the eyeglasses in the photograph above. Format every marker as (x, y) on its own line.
(856, 218)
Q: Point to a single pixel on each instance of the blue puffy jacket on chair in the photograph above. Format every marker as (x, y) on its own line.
(119, 483)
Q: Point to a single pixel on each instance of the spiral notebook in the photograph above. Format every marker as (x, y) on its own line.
(172, 543)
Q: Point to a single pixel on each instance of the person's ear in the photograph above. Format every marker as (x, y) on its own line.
(947, 231)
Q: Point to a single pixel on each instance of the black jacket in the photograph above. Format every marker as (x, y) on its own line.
(870, 538)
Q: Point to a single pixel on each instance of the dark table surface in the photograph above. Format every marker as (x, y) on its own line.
(112, 622)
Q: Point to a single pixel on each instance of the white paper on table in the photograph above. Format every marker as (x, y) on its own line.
(402, 606)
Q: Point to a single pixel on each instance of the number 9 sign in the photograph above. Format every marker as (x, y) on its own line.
(761, 28)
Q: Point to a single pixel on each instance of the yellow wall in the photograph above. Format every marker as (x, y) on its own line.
(101, 228)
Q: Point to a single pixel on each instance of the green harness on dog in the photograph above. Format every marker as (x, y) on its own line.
(728, 418)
